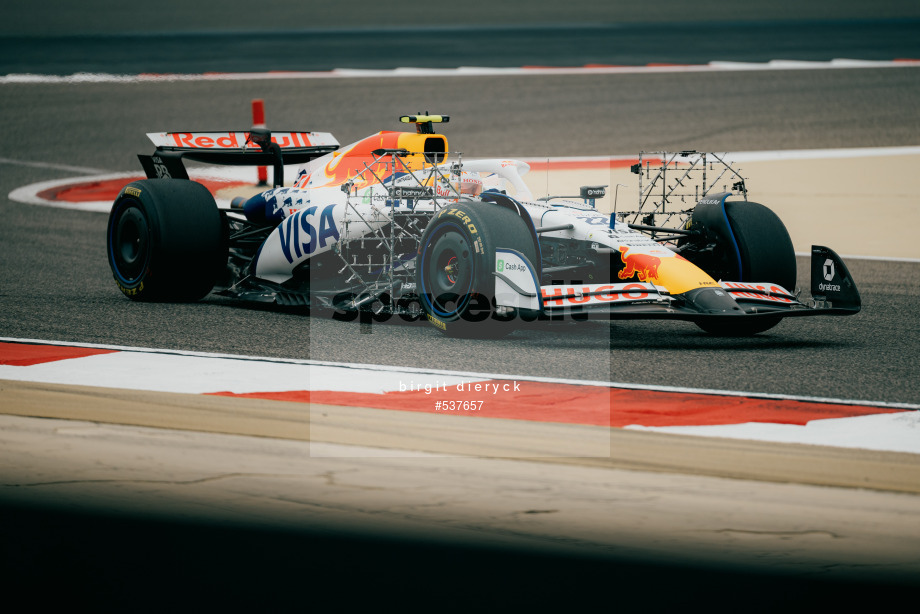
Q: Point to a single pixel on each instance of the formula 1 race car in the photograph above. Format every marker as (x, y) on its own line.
(389, 226)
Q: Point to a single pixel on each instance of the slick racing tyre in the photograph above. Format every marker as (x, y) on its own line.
(455, 265)
(165, 240)
(732, 327)
(764, 254)
(763, 241)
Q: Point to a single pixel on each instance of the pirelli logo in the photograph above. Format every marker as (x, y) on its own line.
(436, 322)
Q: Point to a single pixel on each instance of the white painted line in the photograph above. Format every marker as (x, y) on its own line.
(57, 167)
(886, 432)
(821, 154)
(186, 374)
(389, 371)
(767, 155)
(461, 71)
(881, 258)
(858, 257)
(30, 194)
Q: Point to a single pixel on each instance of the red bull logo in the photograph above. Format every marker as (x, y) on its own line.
(235, 140)
(643, 265)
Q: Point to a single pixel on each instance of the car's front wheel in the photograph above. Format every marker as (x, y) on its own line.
(455, 265)
(759, 250)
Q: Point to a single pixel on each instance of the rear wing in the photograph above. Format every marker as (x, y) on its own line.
(256, 147)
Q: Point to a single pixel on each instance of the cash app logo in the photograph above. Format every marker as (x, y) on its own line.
(500, 265)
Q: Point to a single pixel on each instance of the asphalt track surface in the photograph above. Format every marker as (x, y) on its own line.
(449, 46)
(172, 37)
(55, 284)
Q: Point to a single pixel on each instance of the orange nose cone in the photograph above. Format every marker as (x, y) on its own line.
(668, 269)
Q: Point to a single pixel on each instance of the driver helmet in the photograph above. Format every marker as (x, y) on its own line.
(470, 183)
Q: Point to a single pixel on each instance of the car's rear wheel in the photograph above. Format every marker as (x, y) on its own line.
(455, 265)
(165, 240)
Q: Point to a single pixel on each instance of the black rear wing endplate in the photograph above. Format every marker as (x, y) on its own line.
(163, 165)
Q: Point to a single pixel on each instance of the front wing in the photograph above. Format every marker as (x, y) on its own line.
(832, 288)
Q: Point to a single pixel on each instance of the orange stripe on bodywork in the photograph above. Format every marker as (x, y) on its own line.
(359, 163)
